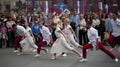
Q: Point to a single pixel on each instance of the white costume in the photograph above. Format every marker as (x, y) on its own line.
(45, 34)
(70, 36)
(60, 45)
(92, 36)
(28, 42)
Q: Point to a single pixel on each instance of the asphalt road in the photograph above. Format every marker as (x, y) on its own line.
(95, 59)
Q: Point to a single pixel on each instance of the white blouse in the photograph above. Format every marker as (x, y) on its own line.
(92, 36)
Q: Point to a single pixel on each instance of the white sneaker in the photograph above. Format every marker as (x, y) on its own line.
(64, 55)
(34, 50)
(37, 55)
(111, 49)
(16, 51)
(19, 53)
(116, 59)
(83, 60)
(53, 58)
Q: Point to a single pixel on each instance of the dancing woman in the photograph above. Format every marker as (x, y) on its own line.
(61, 43)
(29, 41)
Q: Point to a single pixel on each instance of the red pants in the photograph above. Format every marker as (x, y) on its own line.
(40, 45)
(100, 45)
(16, 42)
(111, 40)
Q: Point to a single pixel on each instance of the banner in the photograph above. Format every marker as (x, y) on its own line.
(100, 5)
(46, 10)
(64, 12)
(60, 7)
(106, 8)
(83, 7)
(33, 3)
(78, 7)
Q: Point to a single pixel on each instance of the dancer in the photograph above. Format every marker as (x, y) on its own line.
(70, 34)
(115, 36)
(46, 38)
(94, 43)
(20, 34)
(61, 43)
(28, 42)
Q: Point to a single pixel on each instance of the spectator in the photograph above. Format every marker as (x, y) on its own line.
(10, 32)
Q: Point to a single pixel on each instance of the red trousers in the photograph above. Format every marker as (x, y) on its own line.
(16, 42)
(40, 45)
(111, 40)
(101, 47)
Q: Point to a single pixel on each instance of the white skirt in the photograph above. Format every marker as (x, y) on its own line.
(28, 43)
(24, 44)
(72, 41)
(59, 46)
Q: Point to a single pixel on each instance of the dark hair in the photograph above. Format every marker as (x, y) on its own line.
(89, 23)
(115, 13)
(14, 25)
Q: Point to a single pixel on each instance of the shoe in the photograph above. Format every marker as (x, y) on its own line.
(19, 53)
(46, 51)
(111, 49)
(64, 55)
(16, 51)
(37, 55)
(80, 58)
(34, 50)
(83, 60)
(53, 58)
(116, 59)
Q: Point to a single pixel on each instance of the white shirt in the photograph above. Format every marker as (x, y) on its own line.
(83, 23)
(20, 30)
(45, 34)
(116, 28)
(92, 36)
(9, 25)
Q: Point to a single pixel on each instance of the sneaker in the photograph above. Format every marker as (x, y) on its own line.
(64, 55)
(111, 49)
(16, 51)
(116, 59)
(34, 50)
(53, 58)
(37, 55)
(83, 60)
(19, 53)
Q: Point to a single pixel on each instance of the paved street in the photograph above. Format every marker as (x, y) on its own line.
(95, 59)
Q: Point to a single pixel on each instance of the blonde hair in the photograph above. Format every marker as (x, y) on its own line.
(55, 21)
